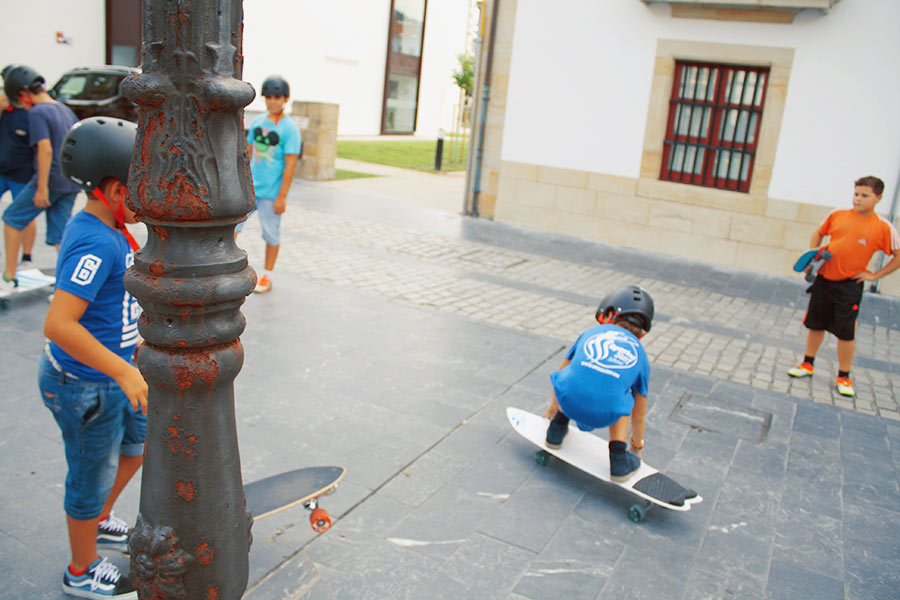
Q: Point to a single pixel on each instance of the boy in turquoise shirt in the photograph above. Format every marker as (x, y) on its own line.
(274, 143)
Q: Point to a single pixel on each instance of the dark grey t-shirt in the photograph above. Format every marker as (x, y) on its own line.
(51, 121)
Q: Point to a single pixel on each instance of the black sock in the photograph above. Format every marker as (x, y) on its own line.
(843, 373)
(26, 256)
(617, 447)
(560, 418)
(810, 359)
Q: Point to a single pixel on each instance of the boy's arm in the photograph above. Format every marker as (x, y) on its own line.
(816, 239)
(44, 154)
(287, 178)
(882, 272)
(62, 327)
(554, 404)
(638, 414)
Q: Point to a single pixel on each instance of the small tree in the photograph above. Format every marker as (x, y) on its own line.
(464, 76)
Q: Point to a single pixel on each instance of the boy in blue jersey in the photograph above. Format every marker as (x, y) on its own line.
(273, 142)
(87, 375)
(604, 379)
(48, 190)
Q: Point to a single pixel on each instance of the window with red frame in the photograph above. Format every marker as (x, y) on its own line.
(713, 129)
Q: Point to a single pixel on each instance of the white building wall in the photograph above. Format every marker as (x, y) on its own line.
(445, 37)
(335, 52)
(28, 35)
(581, 74)
(328, 51)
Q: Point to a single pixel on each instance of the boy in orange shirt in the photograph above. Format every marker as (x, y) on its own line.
(837, 291)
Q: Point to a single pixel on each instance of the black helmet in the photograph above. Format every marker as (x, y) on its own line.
(629, 301)
(19, 78)
(275, 85)
(97, 148)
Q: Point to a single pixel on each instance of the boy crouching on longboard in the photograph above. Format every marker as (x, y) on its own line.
(604, 377)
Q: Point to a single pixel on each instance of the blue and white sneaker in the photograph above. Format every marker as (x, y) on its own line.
(113, 534)
(102, 580)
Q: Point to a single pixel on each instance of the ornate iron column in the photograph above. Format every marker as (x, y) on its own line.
(190, 184)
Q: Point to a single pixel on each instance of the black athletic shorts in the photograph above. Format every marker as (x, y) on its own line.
(833, 306)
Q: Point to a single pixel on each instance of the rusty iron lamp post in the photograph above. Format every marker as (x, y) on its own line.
(190, 184)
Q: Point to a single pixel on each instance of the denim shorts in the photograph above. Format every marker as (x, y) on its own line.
(268, 221)
(14, 187)
(98, 425)
(22, 211)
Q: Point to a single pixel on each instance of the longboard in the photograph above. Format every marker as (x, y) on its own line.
(29, 281)
(590, 453)
(811, 261)
(280, 492)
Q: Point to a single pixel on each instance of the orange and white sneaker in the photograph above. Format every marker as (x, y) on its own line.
(804, 369)
(263, 284)
(844, 386)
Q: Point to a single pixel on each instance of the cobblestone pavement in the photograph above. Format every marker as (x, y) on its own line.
(698, 330)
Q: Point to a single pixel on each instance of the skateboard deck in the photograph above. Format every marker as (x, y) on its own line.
(280, 492)
(590, 453)
(811, 261)
(29, 281)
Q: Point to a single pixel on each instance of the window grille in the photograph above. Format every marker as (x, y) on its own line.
(712, 133)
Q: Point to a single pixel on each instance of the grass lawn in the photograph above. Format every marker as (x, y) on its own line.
(413, 154)
(340, 174)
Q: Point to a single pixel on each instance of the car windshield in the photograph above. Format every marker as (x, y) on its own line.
(87, 86)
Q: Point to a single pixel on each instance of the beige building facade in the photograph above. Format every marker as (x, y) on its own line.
(578, 147)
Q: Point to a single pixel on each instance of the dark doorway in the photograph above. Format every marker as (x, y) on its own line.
(123, 32)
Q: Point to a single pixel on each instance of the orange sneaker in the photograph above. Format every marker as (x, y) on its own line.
(263, 285)
(804, 369)
(844, 386)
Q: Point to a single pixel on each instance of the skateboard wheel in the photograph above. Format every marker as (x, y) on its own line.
(541, 457)
(319, 520)
(636, 513)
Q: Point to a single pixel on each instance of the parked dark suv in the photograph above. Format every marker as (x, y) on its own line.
(94, 92)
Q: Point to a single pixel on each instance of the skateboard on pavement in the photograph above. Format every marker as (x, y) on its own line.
(29, 281)
(590, 453)
(302, 486)
(811, 261)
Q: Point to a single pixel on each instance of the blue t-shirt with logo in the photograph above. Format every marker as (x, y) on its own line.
(608, 366)
(92, 261)
(52, 121)
(270, 142)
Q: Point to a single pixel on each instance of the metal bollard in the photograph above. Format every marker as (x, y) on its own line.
(439, 151)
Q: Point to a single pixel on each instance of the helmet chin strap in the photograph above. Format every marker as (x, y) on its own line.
(611, 319)
(120, 218)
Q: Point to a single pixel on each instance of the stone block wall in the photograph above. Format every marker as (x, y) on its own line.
(724, 228)
(318, 129)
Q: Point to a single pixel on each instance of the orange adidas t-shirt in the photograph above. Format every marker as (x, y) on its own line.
(854, 239)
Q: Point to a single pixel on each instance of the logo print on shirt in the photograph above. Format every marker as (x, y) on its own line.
(862, 241)
(611, 350)
(86, 269)
(265, 143)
